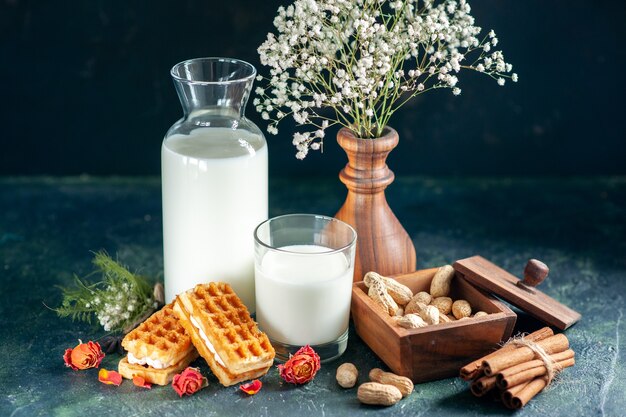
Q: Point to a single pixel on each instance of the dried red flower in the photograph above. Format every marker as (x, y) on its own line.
(189, 382)
(84, 356)
(109, 377)
(301, 367)
(141, 382)
(251, 387)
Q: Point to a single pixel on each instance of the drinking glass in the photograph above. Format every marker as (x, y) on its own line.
(304, 265)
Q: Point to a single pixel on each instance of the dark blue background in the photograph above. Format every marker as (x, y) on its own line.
(85, 88)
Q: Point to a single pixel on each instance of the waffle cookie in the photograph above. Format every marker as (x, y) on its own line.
(158, 348)
(223, 333)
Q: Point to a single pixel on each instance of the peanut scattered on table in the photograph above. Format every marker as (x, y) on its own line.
(385, 388)
(374, 393)
(404, 384)
(347, 375)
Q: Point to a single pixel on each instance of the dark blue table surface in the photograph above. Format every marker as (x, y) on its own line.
(48, 226)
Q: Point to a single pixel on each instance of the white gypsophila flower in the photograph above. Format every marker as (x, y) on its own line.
(360, 60)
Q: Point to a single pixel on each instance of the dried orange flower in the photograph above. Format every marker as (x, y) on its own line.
(84, 356)
(251, 387)
(109, 377)
(301, 367)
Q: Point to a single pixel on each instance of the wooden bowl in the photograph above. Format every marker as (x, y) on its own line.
(437, 351)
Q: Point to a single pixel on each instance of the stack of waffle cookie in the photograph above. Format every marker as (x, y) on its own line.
(210, 320)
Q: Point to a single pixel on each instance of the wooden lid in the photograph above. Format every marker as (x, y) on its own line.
(520, 293)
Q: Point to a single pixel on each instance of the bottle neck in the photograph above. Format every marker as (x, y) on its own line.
(208, 100)
(213, 87)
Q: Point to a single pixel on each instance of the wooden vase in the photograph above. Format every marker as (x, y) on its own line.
(382, 243)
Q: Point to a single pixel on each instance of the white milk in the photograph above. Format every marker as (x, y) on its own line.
(214, 195)
(303, 298)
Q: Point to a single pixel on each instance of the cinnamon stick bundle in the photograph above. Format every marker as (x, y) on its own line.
(473, 370)
(520, 369)
(554, 344)
(527, 371)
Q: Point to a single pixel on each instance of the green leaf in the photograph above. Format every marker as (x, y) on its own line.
(109, 297)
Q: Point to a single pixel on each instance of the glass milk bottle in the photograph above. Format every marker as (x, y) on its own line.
(214, 179)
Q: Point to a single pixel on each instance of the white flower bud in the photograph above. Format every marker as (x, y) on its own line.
(343, 55)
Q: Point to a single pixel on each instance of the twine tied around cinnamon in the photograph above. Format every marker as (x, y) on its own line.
(552, 367)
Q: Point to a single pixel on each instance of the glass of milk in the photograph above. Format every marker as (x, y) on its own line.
(303, 278)
(214, 179)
